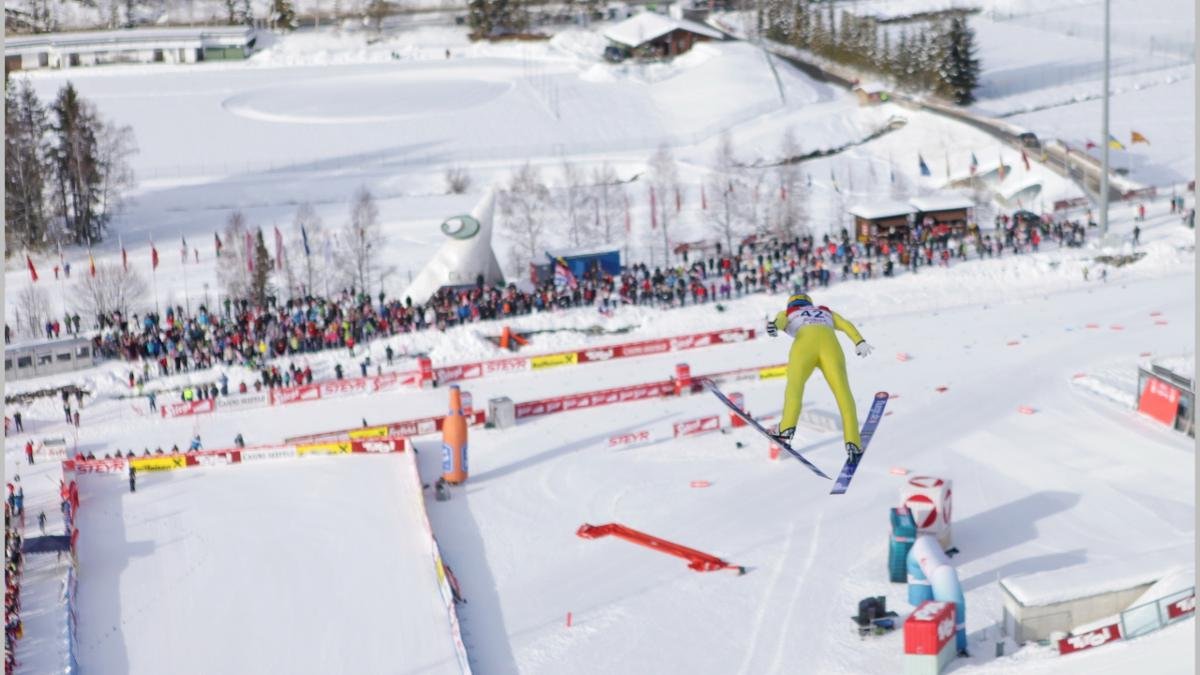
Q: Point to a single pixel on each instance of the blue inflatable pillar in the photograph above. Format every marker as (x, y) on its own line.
(904, 532)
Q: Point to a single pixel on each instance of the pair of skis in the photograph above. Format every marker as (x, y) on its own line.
(851, 465)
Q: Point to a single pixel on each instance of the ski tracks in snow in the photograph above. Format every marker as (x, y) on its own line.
(778, 627)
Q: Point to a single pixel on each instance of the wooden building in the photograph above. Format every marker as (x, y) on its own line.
(884, 220)
(650, 35)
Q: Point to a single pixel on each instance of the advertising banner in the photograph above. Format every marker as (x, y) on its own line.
(323, 448)
(1092, 638)
(369, 432)
(553, 360)
(1159, 400)
(267, 452)
(184, 408)
(248, 400)
(159, 463)
(306, 392)
(700, 425)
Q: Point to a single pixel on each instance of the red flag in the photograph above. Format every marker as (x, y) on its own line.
(278, 249)
(1089, 145)
(249, 253)
(32, 269)
(653, 209)
(1025, 158)
(703, 200)
(153, 257)
(628, 224)
(124, 255)
(678, 201)
(782, 192)
(91, 264)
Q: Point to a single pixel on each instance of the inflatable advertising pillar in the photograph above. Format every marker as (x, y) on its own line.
(683, 379)
(904, 532)
(929, 500)
(932, 577)
(454, 440)
(735, 420)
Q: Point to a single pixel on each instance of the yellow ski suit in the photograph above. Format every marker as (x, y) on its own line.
(815, 345)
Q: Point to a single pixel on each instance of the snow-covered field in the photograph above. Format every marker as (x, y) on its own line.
(317, 557)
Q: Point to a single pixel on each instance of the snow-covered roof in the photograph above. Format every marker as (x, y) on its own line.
(641, 28)
(573, 252)
(948, 202)
(1081, 581)
(880, 209)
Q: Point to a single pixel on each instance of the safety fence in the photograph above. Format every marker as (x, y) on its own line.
(1135, 622)
(69, 503)
(427, 374)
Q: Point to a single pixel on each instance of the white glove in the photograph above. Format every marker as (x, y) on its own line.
(863, 349)
(772, 330)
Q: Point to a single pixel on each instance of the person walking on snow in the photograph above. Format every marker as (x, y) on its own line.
(815, 345)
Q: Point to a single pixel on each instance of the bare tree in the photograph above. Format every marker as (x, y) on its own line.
(573, 203)
(458, 180)
(726, 187)
(33, 308)
(113, 289)
(608, 201)
(234, 268)
(755, 207)
(362, 240)
(306, 246)
(664, 180)
(790, 216)
(523, 206)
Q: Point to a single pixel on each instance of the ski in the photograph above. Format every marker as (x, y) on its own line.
(712, 386)
(868, 431)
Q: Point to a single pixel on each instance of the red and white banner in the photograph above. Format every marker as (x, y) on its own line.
(592, 399)
(113, 465)
(1160, 400)
(379, 445)
(305, 392)
(700, 425)
(1181, 607)
(265, 452)
(358, 385)
(1092, 638)
(186, 408)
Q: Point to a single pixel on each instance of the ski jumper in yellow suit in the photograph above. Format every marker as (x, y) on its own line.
(815, 345)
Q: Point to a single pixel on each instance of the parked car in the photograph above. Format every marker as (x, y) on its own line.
(615, 54)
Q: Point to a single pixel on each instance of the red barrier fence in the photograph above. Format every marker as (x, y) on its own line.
(147, 463)
(417, 427)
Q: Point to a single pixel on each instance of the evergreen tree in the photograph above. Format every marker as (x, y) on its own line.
(231, 12)
(260, 277)
(76, 166)
(959, 71)
(26, 168)
(488, 18)
(244, 15)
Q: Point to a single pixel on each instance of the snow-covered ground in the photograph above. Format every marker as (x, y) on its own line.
(1083, 480)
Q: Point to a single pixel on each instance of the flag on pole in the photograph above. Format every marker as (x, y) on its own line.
(974, 164)
(249, 253)
(833, 181)
(32, 269)
(1114, 143)
(304, 238)
(653, 209)
(1001, 169)
(62, 262)
(782, 192)
(217, 241)
(153, 256)
(628, 222)
(124, 255)
(1025, 158)
(278, 249)
(1088, 145)
(91, 261)
(703, 199)
(678, 201)
(562, 274)
(1135, 137)
(183, 249)
(922, 166)
(328, 253)
(946, 153)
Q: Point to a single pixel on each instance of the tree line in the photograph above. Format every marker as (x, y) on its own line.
(737, 199)
(66, 168)
(938, 55)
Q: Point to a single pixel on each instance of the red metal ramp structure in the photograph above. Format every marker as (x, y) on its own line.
(697, 560)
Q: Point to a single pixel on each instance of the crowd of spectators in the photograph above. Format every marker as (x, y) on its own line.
(239, 333)
(13, 564)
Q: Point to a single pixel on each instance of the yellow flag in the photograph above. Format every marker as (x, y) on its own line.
(1135, 137)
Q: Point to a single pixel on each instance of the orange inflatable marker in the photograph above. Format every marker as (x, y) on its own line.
(454, 441)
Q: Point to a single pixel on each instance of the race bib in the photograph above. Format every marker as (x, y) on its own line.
(809, 316)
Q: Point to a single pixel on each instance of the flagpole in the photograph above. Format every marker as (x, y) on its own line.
(1104, 135)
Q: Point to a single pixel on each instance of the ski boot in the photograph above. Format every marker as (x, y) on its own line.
(784, 436)
(853, 452)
